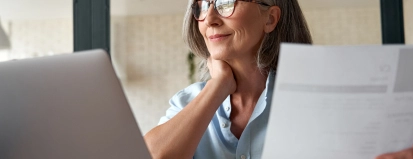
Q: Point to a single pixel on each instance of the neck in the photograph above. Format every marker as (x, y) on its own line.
(250, 82)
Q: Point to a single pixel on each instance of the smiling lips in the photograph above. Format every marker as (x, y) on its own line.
(218, 37)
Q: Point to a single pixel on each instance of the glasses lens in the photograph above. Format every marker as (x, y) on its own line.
(200, 9)
(225, 7)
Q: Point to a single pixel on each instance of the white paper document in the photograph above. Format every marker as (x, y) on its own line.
(341, 102)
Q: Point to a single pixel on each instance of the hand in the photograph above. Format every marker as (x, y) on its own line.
(222, 72)
(405, 154)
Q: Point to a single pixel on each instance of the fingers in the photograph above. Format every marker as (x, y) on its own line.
(387, 156)
(222, 72)
(218, 68)
(405, 154)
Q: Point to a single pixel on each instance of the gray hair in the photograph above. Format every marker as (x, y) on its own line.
(292, 27)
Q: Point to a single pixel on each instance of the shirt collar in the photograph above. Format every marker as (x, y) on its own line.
(262, 101)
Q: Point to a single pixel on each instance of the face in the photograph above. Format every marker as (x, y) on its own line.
(236, 37)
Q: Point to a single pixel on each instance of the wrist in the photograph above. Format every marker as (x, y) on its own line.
(222, 87)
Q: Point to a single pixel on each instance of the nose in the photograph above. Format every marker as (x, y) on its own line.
(212, 18)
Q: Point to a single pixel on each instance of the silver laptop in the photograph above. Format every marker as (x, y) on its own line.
(66, 107)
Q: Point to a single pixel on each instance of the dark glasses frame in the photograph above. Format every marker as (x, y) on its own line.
(195, 5)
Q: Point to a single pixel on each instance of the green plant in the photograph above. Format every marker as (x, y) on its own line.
(190, 59)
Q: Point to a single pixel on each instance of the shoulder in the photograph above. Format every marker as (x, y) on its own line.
(186, 95)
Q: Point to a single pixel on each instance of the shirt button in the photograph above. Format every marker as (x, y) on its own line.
(223, 125)
(227, 108)
(243, 157)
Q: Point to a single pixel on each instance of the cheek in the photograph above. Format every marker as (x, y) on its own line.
(249, 35)
(248, 27)
(202, 28)
(253, 28)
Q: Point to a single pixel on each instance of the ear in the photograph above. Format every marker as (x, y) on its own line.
(274, 14)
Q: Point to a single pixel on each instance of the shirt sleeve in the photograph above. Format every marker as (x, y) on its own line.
(180, 100)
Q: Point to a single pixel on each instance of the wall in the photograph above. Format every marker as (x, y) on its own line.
(150, 56)
(345, 26)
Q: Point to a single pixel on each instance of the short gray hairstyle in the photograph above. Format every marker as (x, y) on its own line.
(292, 28)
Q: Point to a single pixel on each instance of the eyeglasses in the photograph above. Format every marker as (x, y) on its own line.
(225, 8)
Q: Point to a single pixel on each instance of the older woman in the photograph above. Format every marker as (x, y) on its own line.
(226, 117)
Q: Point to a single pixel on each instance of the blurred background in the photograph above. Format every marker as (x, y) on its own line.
(147, 49)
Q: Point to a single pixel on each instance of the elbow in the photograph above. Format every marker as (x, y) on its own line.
(156, 149)
(150, 143)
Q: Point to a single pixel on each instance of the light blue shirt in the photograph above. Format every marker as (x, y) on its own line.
(218, 141)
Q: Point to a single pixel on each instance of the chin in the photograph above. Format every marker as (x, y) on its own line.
(220, 56)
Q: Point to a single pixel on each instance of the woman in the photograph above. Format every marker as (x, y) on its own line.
(226, 117)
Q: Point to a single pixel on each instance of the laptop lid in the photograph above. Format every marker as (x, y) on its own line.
(66, 106)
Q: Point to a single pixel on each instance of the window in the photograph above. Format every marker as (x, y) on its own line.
(36, 29)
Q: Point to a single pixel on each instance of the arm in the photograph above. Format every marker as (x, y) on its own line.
(180, 136)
